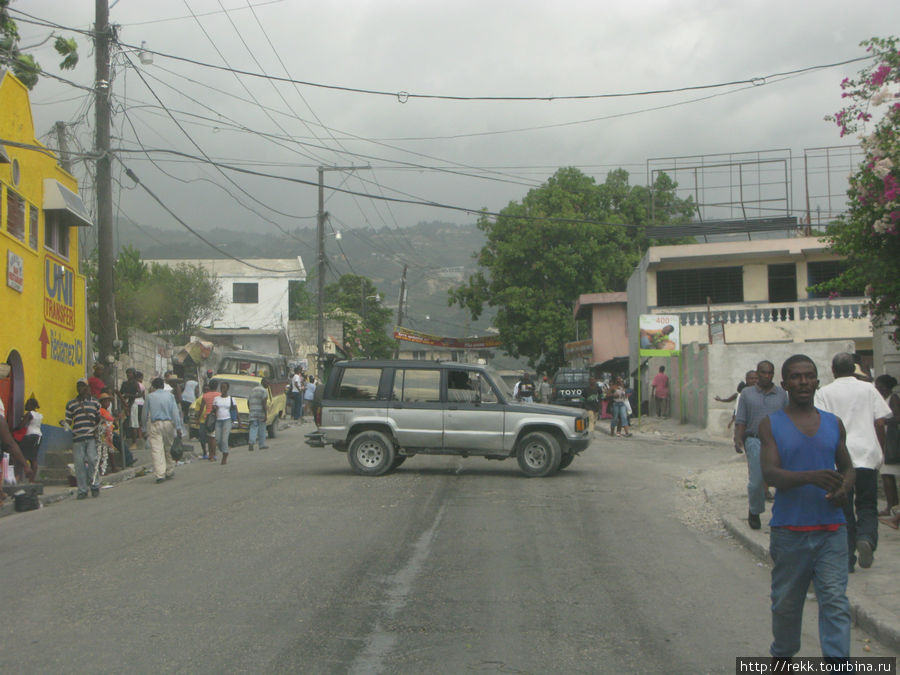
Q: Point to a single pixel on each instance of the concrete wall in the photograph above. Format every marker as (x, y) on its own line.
(727, 365)
(304, 335)
(148, 353)
(886, 355)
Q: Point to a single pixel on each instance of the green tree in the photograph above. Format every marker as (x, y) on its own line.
(869, 234)
(355, 300)
(157, 298)
(301, 303)
(534, 268)
(22, 64)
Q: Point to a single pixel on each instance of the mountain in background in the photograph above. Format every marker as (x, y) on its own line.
(439, 257)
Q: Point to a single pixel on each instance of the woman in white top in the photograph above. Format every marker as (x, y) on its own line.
(222, 405)
(31, 442)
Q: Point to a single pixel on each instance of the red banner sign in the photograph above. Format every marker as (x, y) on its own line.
(409, 335)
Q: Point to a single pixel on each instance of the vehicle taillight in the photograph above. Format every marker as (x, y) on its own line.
(317, 416)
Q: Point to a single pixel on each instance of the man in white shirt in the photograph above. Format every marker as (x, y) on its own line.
(863, 412)
(297, 387)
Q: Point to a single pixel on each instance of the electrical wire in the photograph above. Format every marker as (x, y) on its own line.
(403, 96)
(133, 176)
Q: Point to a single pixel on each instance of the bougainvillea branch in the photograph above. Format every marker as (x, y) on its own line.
(869, 235)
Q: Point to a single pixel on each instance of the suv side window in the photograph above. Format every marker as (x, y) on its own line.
(488, 395)
(417, 386)
(359, 384)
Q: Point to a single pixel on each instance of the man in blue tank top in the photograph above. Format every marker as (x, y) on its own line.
(804, 456)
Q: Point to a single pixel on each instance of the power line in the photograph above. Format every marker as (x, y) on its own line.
(133, 176)
(403, 96)
(210, 13)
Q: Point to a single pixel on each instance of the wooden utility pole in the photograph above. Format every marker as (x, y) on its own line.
(106, 329)
(63, 146)
(320, 254)
(320, 297)
(400, 311)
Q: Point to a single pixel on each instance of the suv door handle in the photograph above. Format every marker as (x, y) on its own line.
(452, 407)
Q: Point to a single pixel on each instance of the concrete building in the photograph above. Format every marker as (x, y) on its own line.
(759, 300)
(44, 344)
(255, 298)
(606, 315)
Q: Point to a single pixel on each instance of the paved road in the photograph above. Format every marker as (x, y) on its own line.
(284, 561)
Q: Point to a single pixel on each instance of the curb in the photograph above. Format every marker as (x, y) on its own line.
(870, 617)
(8, 508)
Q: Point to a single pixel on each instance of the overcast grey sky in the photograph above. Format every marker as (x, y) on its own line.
(461, 48)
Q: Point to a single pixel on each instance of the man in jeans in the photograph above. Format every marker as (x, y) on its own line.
(82, 417)
(754, 404)
(257, 403)
(864, 413)
(804, 455)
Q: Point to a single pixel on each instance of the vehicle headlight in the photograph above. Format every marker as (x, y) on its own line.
(580, 424)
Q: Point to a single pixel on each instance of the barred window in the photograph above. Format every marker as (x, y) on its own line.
(693, 287)
(15, 215)
(245, 293)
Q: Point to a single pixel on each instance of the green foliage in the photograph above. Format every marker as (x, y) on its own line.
(23, 65)
(355, 300)
(869, 235)
(534, 268)
(301, 302)
(157, 298)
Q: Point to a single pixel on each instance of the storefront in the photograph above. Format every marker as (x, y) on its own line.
(43, 326)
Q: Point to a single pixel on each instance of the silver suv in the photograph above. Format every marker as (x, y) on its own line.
(381, 412)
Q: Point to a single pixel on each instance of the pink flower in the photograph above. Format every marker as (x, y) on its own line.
(879, 75)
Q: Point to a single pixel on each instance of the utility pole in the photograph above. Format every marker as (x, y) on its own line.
(320, 297)
(320, 254)
(400, 312)
(63, 146)
(106, 329)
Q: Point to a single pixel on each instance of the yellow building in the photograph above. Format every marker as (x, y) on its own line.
(43, 325)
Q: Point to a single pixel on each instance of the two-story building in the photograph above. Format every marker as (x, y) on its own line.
(43, 342)
(748, 300)
(255, 297)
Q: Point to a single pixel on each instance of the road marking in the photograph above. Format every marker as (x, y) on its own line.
(399, 586)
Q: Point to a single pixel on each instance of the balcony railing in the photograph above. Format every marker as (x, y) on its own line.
(765, 312)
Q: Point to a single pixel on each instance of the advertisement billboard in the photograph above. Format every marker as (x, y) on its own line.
(660, 335)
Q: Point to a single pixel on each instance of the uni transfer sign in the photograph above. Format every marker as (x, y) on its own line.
(59, 294)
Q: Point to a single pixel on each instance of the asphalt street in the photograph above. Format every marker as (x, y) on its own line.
(286, 561)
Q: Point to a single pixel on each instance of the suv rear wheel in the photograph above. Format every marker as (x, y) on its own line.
(538, 454)
(371, 453)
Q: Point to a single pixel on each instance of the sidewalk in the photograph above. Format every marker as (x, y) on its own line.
(874, 593)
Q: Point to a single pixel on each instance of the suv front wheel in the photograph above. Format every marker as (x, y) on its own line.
(371, 453)
(538, 454)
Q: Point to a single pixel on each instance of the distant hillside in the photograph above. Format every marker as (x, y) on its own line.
(439, 255)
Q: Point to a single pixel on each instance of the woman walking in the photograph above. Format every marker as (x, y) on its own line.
(222, 405)
(619, 422)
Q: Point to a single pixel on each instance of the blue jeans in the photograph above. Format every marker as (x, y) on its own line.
(756, 486)
(297, 406)
(619, 415)
(800, 558)
(257, 428)
(223, 431)
(84, 454)
(861, 512)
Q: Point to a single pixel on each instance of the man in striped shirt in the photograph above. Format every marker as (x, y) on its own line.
(82, 417)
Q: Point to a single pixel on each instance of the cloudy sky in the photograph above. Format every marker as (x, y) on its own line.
(464, 153)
